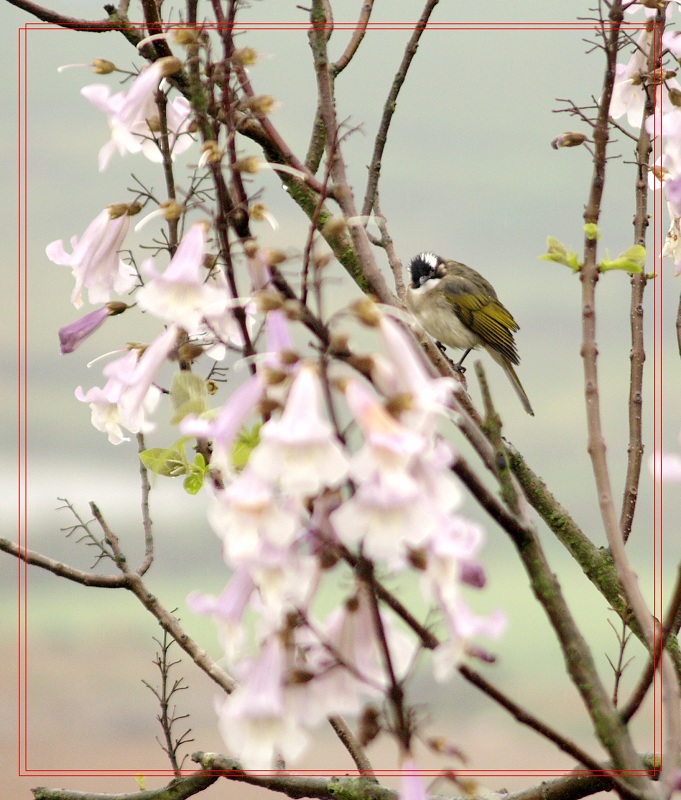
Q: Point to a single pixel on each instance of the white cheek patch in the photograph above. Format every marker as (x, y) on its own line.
(428, 286)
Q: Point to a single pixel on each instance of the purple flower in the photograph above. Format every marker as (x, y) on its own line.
(71, 336)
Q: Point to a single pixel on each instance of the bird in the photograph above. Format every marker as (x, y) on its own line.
(459, 308)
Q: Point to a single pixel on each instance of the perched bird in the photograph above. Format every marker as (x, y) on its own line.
(459, 308)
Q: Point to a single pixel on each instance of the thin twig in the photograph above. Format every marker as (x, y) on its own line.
(356, 38)
(391, 104)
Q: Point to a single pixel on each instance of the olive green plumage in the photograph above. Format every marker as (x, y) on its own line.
(460, 308)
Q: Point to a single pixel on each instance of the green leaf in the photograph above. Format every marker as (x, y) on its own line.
(193, 483)
(246, 441)
(558, 252)
(169, 461)
(632, 261)
(591, 231)
(188, 394)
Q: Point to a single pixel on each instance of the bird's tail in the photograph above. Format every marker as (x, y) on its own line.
(515, 380)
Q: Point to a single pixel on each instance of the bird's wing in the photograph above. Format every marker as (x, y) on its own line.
(484, 315)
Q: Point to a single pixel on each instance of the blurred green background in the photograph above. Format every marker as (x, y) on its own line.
(468, 173)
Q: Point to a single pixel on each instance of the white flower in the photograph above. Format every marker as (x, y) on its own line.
(181, 294)
(254, 720)
(247, 513)
(131, 115)
(95, 261)
(299, 449)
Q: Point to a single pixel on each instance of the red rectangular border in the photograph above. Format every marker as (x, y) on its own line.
(22, 396)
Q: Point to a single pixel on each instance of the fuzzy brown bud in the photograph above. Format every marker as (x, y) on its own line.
(187, 37)
(172, 210)
(675, 96)
(249, 164)
(334, 225)
(275, 256)
(366, 312)
(261, 104)
(273, 377)
(418, 558)
(569, 139)
(116, 307)
(267, 406)
(246, 56)
(169, 66)
(268, 301)
(211, 152)
(189, 351)
(399, 403)
(369, 725)
(100, 66)
(251, 248)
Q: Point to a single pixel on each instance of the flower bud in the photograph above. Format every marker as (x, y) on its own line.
(366, 312)
(261, 104)
(268, 301)
(675, 96)
(369, 725)
(273, 377)
(249, 164)
(172, 210)
(569, 139)
(169, 66)
(100, 66)
(246, 56)
(210, 260)
(211, 153)
(275, 256)
(118, 210)
(399, 403)
(334, 225)
(116, 307)
(154, 123)
(189, 351)
(186, 37)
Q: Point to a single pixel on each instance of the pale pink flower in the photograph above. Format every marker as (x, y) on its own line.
(222, 430)
(386, 519)
(412, 785)
(254, 720)
(129, 395)
(181, 294)
(129, 114)
(105, 402)
(299, 450)
(95, 262)
(248, 513)
(628, 95)
(228, 609)
(463, 625)
(219, 329)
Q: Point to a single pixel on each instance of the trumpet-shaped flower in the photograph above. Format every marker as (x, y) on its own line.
(181, 294)
(133, 115)
(129, 395)
(248, 513)
(254, 720)
(95, 262)
(628, 94)
(299, 449)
